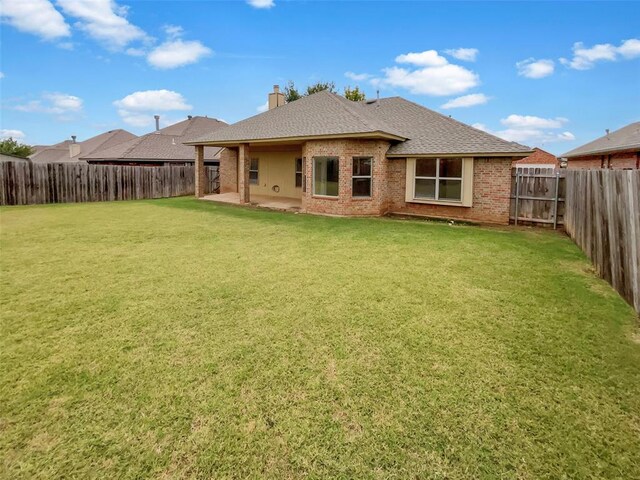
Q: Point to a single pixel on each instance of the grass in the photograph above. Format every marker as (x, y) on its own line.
(176, 338)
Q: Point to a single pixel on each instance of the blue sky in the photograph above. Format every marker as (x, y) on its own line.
(548, 74)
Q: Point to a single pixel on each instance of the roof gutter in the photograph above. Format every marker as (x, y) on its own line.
(460, 154)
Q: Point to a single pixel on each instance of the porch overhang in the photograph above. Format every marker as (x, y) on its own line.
(378, 135)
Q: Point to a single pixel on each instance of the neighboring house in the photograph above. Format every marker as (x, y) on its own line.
(335, 156)
(72, 150)
(8, 157)
(618, 150)
(539, 159)
(162, 147)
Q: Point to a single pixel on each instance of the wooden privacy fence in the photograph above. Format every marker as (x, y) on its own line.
(603, 217)
(25, 183)
(537, 196)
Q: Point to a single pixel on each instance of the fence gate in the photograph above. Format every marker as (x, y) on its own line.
(537, 196)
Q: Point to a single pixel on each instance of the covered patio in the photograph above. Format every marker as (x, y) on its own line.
(262, 201)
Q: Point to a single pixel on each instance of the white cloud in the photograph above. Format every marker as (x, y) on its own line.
(15, 134)
(428, 58)
(1, 74)
(532, 68)
(177, 53)
(467, 101)
(357, 77)
(528, 121)
(585, 58)
(138, 108)
(464, 54)
(263, 108)
(59, 104)
(38, 17)
(530, 129)
(434, 75)
(103, 20)
(630, 48)
(436, 81)
(173, 31)
(261, 3)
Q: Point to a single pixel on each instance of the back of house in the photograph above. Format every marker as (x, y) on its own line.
(339, 157)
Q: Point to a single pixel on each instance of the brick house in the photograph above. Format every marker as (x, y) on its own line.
(539, 159)
(615, 150)
(328, 155)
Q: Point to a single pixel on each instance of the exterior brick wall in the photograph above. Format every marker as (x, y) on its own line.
(491, 184)
(491, 192)
(345, 203)
(614, 161)
(228, 170)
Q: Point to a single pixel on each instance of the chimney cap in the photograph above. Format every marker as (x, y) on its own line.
(73, 138)
(276, 88)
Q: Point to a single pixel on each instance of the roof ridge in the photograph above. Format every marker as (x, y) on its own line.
(355, 114)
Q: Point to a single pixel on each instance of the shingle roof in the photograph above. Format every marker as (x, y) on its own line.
(418, 129)
(539, 157)
(166, 144)
(626, 138)
(60, 151)
(430, 132)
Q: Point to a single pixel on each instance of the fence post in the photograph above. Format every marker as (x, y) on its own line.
(555, 202)
(515, 222)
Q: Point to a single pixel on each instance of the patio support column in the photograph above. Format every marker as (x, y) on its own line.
(244, 162)
(201, 175)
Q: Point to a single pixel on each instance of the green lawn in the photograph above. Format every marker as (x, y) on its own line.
(176, 338)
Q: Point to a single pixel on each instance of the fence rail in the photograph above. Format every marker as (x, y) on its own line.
(603, 218)
(25, 183)
(537, 196)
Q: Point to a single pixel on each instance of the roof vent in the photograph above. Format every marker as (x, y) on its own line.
(607, 130)
(157, 117)
(189, 117)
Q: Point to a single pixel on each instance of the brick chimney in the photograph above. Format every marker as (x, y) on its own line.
(276, 98)
(74, 148)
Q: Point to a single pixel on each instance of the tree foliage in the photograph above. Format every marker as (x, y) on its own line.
(320, 86)
(10, 146)
(291, 93)
(354, 94)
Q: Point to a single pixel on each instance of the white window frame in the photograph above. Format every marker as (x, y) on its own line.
(370, 177)
(313, 176)
(257, 170)
(301, 172)
(466, 185)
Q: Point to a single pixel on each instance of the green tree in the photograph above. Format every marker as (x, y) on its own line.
(320, 86)
(12, 147)
(291, 93)
(354, 94)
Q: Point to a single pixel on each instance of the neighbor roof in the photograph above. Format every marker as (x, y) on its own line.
(418, 130)
(626, 138)
(539, 157)
(165, 144)
(60, 151)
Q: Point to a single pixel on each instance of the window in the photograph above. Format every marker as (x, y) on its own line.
(438, 179)
(361, 177)
(325, 176)
(253, 171)
(298, 173)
